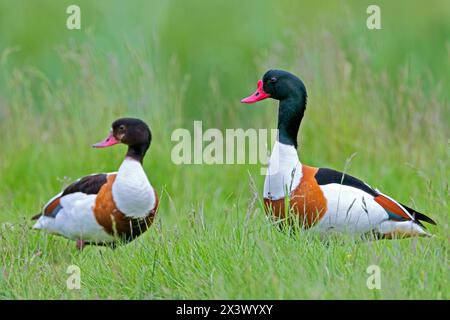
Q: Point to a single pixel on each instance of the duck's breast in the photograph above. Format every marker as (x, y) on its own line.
(307, 202)
(113, 220)
(132, 193)
(284, 172)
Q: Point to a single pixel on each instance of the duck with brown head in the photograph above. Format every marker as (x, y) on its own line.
(321, 198)
(103, 208)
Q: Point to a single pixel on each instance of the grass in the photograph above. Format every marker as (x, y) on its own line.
(211, 238)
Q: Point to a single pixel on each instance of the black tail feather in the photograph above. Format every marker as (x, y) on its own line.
(419, 216)
(37, 216)
(422, 217)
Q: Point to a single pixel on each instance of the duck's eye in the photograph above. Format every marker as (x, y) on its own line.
(122, 128)
(273, 80)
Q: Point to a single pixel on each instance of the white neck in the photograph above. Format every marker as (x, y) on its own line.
(284, 172)
(132, 192)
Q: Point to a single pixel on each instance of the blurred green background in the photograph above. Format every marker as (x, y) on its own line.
(224, 39)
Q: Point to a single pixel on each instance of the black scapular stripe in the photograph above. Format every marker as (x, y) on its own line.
(326, 176)
(88, 185)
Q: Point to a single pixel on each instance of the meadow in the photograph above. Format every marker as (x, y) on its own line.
(378, 107)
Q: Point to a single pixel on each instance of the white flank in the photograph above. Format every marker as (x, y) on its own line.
(284, 172)
(132, 192)
(75, 220)
(350, 210)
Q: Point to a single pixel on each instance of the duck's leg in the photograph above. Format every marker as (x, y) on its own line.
(80, 244)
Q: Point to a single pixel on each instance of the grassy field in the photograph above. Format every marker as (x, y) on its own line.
(379, 98)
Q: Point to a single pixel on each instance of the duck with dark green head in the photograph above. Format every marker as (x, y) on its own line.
(321, 198)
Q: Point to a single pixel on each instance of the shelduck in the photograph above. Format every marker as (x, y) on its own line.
(106, 207)
(320, 198)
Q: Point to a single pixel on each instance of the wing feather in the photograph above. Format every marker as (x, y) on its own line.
(88, 185)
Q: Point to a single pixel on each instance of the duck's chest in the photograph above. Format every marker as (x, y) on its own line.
(306, 202)
(132, 193)
(283, 173)
(127, 203)
(287, 177)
